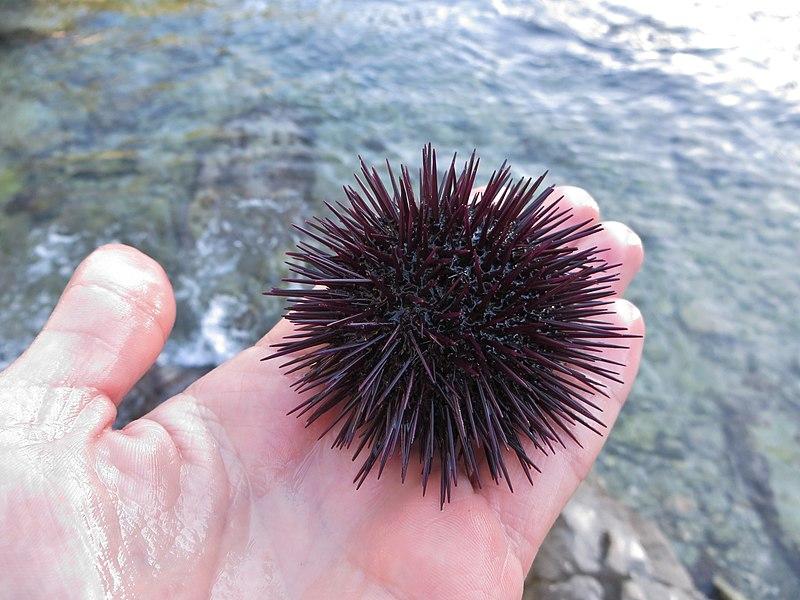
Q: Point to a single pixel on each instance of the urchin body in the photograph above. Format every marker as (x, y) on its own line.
(461, 327)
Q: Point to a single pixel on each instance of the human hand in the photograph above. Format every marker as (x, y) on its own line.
(218, 493)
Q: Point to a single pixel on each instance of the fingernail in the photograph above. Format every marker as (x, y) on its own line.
(631, 239)
(119, 266)
(577, 196)
(627, 310)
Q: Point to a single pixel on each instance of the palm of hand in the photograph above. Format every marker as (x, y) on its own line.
(217, 492)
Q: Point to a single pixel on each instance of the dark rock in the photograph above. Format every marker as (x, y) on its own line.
(725, 591)
(578, 587)
(599, 548)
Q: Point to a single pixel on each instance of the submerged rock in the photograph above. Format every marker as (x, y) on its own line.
(725, 591)
(702, 316)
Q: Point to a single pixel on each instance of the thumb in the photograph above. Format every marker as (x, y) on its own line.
(107, 329)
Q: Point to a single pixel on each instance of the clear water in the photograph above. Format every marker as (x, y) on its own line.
(197, 131)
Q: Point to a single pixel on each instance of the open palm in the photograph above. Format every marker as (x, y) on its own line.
(217, 492)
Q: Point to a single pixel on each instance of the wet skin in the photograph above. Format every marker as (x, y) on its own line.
(217, 493)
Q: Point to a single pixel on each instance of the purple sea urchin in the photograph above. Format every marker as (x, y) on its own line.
(459, 324)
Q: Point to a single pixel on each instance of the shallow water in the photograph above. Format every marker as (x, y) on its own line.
(197, 131)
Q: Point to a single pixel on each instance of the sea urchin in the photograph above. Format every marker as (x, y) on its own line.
(450, 323)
